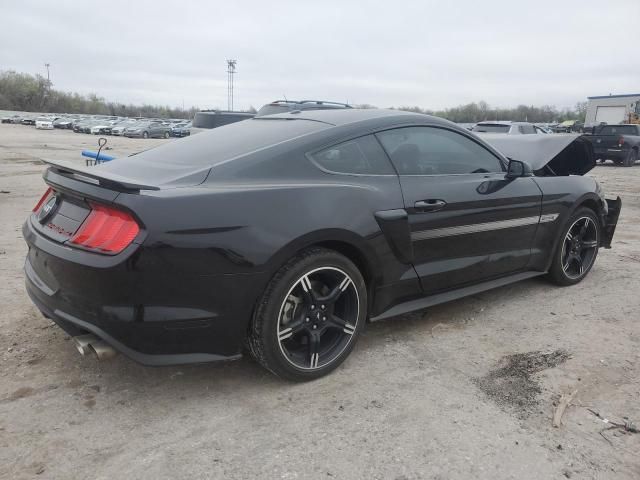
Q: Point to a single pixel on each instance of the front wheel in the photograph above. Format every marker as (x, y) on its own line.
(577, 250)
(310, 315)
(145, 134)
(166, 135)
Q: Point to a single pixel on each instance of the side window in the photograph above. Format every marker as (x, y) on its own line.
(436, 151)
(362, 156)
(528, 129)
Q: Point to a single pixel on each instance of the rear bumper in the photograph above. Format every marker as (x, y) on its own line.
(151, 315)
(75, 326)
(610, 153)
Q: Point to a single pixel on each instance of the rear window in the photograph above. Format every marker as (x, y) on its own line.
(218, 145)
(492, 128)
(619, 130)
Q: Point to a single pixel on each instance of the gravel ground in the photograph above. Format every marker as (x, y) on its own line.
(462, 390)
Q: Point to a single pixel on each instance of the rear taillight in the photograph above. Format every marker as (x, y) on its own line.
(43, 199)
(621, 141)
(106, 230)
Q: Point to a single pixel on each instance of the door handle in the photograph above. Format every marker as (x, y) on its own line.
(431, 205)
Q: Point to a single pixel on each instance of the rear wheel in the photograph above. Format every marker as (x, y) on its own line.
(166, 135)
(631, 159)
(577, 249)
(310, 315)
(145, 134)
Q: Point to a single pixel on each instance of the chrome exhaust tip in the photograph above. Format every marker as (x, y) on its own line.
(83, 343)
(102, 350)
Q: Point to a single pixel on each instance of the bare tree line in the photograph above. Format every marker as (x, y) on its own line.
(33, 93)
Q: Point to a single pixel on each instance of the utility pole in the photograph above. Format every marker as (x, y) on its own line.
(48, 80)
(231, 70)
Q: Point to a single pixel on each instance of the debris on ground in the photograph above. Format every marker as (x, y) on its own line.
(565, 401)
(628, 426)
(511, 385)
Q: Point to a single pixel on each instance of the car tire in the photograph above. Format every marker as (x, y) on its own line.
(310, 315)
(167, 134)
(577, 248)
(631, 158)
(145, 134)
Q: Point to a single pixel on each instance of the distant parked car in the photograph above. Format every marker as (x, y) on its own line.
(181, 130)
(28, 121)
(285, 106)
(509, 128)
(104, 127)
(119, 128)
(12, 119)
(569, 126)
(44, 123)
(542, 129)
(148, 130)
(63, 122)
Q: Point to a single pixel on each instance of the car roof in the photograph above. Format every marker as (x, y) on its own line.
(346, 116)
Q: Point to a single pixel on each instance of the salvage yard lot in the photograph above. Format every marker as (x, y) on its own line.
(463, 390)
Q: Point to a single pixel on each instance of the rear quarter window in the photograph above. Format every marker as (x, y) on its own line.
(360, 156)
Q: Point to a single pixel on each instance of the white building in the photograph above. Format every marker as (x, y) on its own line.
(612, 109)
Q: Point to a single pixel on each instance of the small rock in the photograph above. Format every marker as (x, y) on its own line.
(559, 447)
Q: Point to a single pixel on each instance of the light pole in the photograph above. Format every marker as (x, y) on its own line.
(231, 70)
(48, 80)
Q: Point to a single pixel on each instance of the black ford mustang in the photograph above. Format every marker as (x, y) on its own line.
(286, 233)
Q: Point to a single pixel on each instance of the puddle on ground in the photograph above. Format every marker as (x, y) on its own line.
(512, 385)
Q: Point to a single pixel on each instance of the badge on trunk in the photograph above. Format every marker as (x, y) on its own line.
(47, 209)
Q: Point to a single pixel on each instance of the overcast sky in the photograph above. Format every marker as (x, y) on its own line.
(433, 54)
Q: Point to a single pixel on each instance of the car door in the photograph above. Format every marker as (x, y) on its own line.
(154, 129)
(468, 222)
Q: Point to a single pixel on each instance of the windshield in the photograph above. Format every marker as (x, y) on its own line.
(491, 128)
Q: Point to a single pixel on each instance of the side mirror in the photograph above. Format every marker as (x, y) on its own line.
(517, 168)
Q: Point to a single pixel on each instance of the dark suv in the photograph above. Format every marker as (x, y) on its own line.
(285, 106)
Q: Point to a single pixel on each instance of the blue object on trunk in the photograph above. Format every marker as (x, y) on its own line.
(101, 158)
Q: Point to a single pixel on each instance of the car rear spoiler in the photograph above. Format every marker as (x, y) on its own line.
(96, 176)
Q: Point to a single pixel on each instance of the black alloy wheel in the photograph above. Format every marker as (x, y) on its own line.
(310, 315)
(578, 248)
(318, 318)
